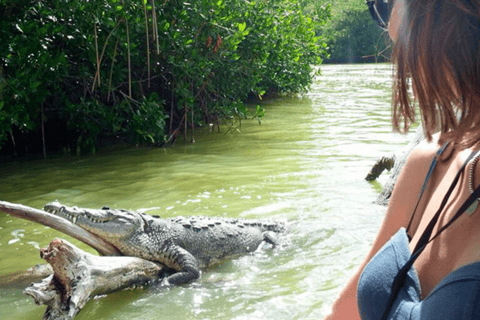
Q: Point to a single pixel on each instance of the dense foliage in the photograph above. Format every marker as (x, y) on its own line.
(353, 36)
(76, 73)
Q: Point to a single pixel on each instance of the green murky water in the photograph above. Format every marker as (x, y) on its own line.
(306, 163)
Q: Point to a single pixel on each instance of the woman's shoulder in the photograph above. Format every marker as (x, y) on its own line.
(409, 183)
(421, 156)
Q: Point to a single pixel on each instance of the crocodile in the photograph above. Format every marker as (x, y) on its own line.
(182, 244)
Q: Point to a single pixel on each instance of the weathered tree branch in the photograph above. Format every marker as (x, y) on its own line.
(60, 224)
(399, 161)
(79, 276)
(23, 278)
(380, 166)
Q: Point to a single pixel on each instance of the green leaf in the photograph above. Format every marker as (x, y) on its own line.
(34, 85)
(119, 7)
(242, 26)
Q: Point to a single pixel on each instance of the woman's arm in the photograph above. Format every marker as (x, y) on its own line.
(402, 202)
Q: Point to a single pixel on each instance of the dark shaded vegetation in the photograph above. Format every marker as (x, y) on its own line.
(75, 75)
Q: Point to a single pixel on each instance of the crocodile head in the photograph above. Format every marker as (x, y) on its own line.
(108, 224)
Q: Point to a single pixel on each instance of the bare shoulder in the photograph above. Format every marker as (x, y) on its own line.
(410, 181)
(421, 157)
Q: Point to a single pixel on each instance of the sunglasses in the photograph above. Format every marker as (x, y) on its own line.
(380, 11)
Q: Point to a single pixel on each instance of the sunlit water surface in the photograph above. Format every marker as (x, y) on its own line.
(305, 163)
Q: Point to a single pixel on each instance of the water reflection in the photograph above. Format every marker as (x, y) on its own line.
(305, 163)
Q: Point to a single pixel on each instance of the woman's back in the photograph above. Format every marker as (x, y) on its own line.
(437, 56)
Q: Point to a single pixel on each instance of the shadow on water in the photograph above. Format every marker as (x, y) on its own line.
(305, 163)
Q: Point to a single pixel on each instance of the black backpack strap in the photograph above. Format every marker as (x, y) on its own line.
(425, 182)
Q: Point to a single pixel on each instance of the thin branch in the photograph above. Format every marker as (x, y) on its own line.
(129, 62)
(43, 135)
(106, 41)
(97, 74)
(171, 109)
(111, 69)
(192, 123)
(185, 110)
(13, 142)
(148, 40)
(155, 26)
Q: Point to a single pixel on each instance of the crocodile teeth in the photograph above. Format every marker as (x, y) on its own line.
(74, 220)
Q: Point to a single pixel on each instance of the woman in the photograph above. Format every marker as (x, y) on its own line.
(436, 54)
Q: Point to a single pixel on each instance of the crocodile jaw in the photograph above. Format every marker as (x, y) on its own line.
(109, 225)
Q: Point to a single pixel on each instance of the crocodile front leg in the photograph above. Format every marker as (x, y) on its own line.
(271, 237)
(186, 264)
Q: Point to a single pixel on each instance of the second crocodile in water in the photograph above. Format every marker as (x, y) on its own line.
(182, 244)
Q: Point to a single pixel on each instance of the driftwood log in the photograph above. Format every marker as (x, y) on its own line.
(77, 275)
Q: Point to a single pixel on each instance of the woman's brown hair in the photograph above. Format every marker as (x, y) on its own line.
(437, 54)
